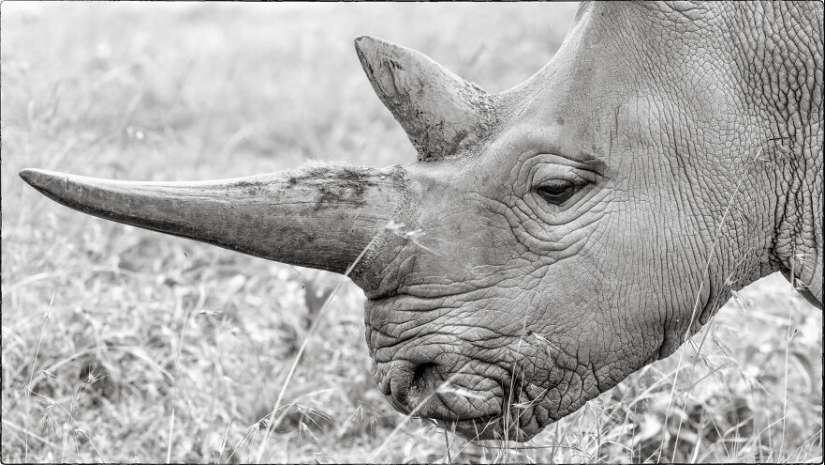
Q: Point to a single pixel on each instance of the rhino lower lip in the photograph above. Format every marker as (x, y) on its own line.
(471, 427)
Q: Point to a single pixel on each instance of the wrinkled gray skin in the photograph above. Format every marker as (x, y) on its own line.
(665, 116)
(689, 138)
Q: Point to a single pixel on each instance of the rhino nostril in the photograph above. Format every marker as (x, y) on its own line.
(410, 384)
(424, 377)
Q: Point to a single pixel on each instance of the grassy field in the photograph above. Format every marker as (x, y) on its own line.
(124, 345)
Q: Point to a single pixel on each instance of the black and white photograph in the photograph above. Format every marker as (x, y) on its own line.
(412, 232)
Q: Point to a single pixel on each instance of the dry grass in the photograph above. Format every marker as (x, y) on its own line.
(125, 345)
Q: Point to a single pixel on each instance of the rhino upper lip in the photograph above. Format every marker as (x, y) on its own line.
(430, 410)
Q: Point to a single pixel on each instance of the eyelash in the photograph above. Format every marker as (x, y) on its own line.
(556, 192)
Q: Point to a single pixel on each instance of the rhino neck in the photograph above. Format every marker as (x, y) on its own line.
(784, 98)
(798, 240)
(798, 236)
(793, 92)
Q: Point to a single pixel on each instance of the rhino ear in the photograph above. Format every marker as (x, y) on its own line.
(441, 112)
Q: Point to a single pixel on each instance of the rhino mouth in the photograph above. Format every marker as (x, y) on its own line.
(470, 379)
(514, 421)
(494, 409)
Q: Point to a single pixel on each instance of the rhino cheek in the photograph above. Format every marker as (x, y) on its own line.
(638, 248)
(483, 314)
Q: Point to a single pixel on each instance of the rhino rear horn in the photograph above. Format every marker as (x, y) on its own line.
(441, 112)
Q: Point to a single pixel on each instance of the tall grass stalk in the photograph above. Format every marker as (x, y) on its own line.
(175, 383)
(788, 337)
(377, 452)
(315, 324)
(46, 317)
(698, 300)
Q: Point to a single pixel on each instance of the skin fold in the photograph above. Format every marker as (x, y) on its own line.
(700, 173)
(554, 238)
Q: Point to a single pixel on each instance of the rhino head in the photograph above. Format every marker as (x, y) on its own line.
(556, 237)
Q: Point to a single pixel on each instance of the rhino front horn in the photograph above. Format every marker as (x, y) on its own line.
(441, 112)
(320, 216)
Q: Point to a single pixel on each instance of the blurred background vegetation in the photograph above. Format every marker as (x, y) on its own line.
(124, 345)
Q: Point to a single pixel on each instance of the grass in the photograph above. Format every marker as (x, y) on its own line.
(125, 345)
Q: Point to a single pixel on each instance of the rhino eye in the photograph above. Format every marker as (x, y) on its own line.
(556, 191)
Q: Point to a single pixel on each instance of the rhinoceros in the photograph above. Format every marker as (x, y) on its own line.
(553, 238)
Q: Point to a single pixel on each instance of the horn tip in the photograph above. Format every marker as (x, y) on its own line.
(31, 176)
(363, 44)
(39, 179)
(360, 41)
(373, 46)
